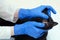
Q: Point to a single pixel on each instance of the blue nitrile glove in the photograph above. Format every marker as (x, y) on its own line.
(35, 12)
(29, 28)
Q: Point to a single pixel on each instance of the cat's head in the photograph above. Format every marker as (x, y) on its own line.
(49, 23)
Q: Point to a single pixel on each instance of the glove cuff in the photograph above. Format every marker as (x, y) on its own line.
(18, 30)
(23, 13)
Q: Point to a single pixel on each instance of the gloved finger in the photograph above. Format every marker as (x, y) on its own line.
(38, 24)
(38, 33)
(49, 13)
(51, 9)
(40, 8)
(42, 15)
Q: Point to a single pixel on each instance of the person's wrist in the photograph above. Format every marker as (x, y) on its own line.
(16, 13)
(15, 16)
(12, 31)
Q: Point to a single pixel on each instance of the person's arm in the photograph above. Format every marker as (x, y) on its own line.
(6, 32)
(7, 12)
(20, 29)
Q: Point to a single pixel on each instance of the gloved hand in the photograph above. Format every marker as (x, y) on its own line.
(29, 28)
(35, 12)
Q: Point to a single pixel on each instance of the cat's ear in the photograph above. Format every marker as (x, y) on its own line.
(54, 23)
